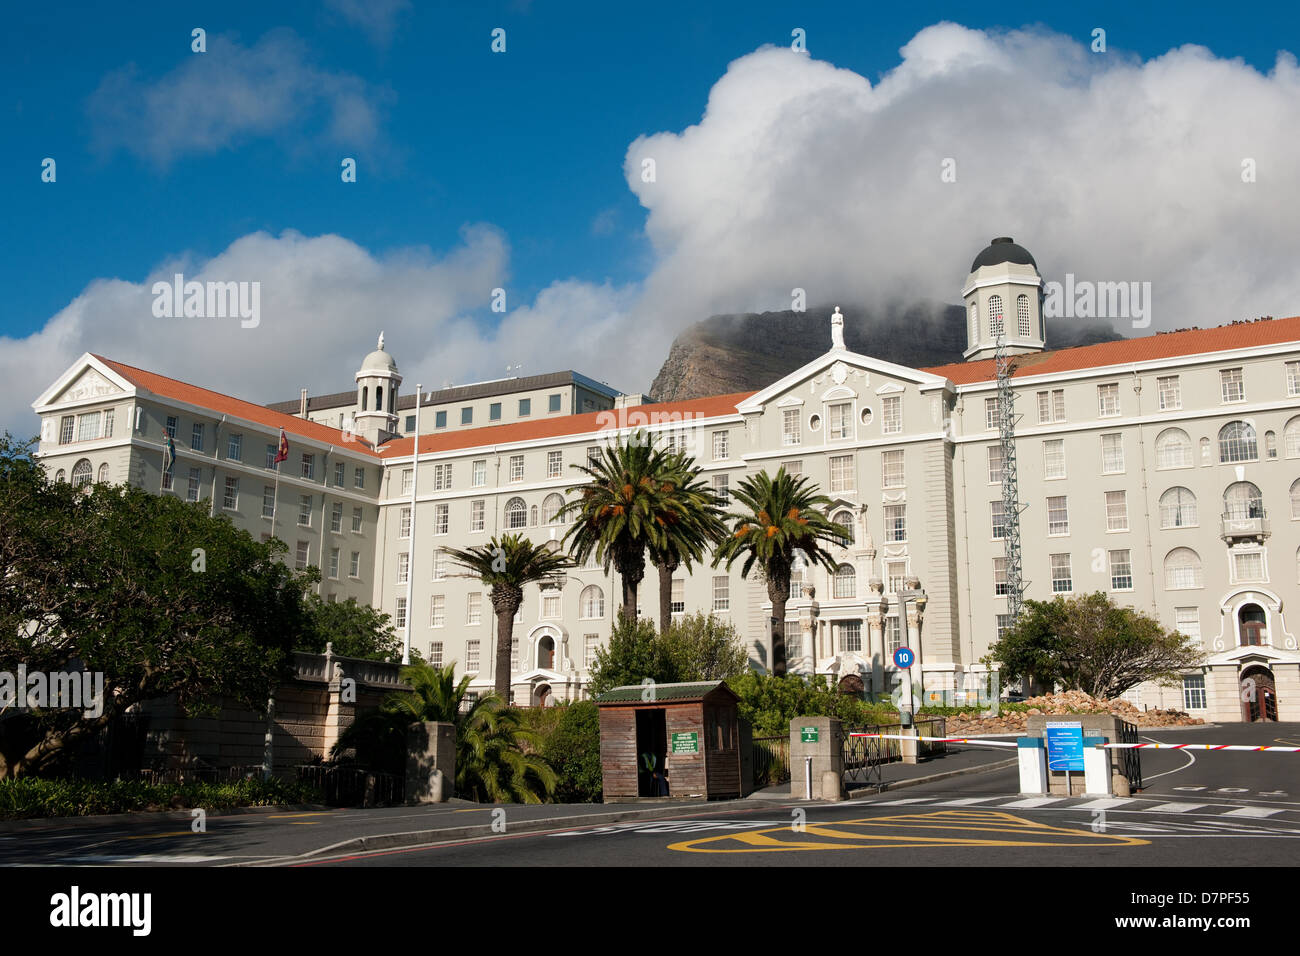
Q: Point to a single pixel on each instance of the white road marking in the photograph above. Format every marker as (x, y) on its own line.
(1034, 802)
(1101, 804)
(891, 803)
(1251, 812)
(1176, 807)
(1190, 760)
(965, 801)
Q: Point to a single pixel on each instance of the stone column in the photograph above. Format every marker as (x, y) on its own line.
(876, 647)
(1223, 694)
(430, 762)
(1287, 679)
(827, 753)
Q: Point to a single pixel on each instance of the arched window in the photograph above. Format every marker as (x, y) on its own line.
(592, 602)
(1295, 498)
(103, 474)
(995, 315)
(1022, 315)
(845, 582)
(365, 398)
(1183, 570)
(974, 324)
(845, 519)
(516, 513)
(60, 475)
(798, 566)
(379, 398)
(1237, 442)
(532, 517)
(551, 508)
(1242, 499)
(1291, 438)
(1178, 509)
(1173, 449)
(81, 473)
(1270, 444)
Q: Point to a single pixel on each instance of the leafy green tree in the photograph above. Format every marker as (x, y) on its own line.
(778, 516)
(355, 630)
(691, 524)
(770, 702)
(1089, 643)
(620, 511)
(573, 750)
(505, 566)
(154, 593)
(633, 656)
(704, 647)
(496, 758)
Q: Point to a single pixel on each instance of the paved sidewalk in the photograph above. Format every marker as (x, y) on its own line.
(957, 761)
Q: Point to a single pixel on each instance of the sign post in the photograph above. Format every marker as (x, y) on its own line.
(1064, 743)
(903, 660)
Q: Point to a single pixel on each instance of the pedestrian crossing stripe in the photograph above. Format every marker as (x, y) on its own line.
(1133, 804)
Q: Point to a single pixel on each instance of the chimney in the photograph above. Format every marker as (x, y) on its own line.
(302, 405)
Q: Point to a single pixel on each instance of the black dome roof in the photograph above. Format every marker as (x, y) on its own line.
(1003, 249)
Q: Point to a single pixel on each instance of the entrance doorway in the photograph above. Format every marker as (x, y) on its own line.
(1258, 695)
(651, 749)
(546, 654)
(1254, 625)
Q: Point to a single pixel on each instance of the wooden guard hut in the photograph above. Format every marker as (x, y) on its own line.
(670, 742)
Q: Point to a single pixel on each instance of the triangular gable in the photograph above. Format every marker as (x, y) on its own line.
(86, 378)
(824, 364)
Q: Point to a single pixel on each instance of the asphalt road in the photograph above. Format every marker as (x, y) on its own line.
(1198, 808)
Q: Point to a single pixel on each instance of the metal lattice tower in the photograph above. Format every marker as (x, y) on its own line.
(1010, 487)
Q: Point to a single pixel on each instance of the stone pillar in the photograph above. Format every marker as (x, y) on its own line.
(826, 751)
(876, 649)
(1287, 679)
(340, 705)
(1223, 694)
(430, 762)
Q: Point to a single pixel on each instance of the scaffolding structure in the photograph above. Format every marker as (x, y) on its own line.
(1010, 487)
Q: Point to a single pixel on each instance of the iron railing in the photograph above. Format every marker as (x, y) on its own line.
(199, 774)
(349, 786)
(863, 756)
(771, 760)
(1130, 759)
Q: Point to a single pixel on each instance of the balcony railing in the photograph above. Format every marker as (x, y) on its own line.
(1244, 523)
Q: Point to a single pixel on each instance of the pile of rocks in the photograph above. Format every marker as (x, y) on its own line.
(1060, 705)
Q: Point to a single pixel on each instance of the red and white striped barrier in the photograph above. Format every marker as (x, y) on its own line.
(1150, 746)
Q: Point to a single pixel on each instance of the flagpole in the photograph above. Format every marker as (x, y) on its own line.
(275, 496)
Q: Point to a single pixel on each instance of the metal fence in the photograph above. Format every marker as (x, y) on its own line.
(1130, 760)
(863, 756)
(349, 786)
(771, 760)
(199, 774)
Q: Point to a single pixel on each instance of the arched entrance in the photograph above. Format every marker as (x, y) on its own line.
(1258, 694)
(852, 684)
(546, 653)
(1253, 624)
(542, 696)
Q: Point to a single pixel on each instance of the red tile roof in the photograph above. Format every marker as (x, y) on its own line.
(562, 425)
(1146, 349)
(225, 404)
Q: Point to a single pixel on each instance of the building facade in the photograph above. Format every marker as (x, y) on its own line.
(1162, 470)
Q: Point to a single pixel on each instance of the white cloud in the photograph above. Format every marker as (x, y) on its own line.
(798, 174)
(218, 99)
(378, 18)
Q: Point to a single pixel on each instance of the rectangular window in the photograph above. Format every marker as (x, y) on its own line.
(1000, 585)
(790, 434)
(403, 567)
(494, 412)
(410, 423)
(895, 575)
(1108, 400)
(996, 460)
(192, 492)
(268, 501)
(851, 636)
(1292, 379)
(399, 616)
(359, 478)
(467, 415)
(1058, 516)
(304, 511)
(340, 474)
(471, 655)
(441, 519)
(552, 604)
(793, 640)
(438, 610)
(336, 517)
(439, 565)
(1112, 454)
(1248, 566)
(1054, 458)
(1194, 692)
(999, 513)
(1187, 620)
(440, 419)
(1169, 392)
(270, 457)
(171, 427)
(891, 469)
(721, 593)
(435, 652)
(88, 427)
(1051, 406)
(354, 565)
(992, 417)
(554, 464)
(516, 467)
(478, 474)
(1062, 575)
(525, 407)
(1003, 625)
(841, 420)
(196, 434)
(309, 466)
(891, 414)
(895, 522)
(720, 446)
(721, 491)
(553, 403)
(442, 477)
(1116, 511)
(678, 597)
(230, 500)
(65, 429)
(1121, 571)
(474, 608)
(477, 514)
(593, 455)
(408, 479)
(1232, 385)
(404, 522)
(356, 520)
(590, 642)
(235, 447)
(893, 634)
(302, 555)
(334, 563)
(108, 424)
(842, 473)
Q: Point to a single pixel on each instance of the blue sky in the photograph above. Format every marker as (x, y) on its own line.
(515, 161)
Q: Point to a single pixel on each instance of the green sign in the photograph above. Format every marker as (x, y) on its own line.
(807, 735)
(688, 743)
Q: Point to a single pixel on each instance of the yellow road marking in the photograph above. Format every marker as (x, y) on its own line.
(289, 816)
(157, 836)
(305, 823)
(1008, 831)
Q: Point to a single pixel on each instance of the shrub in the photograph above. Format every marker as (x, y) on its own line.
(769, 703)
(27, 797)
(573, 749)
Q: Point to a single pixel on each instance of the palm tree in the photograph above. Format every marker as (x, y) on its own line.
(780, 516)
(491, 763)
(692, 523)
(619, 512)
(505, 566)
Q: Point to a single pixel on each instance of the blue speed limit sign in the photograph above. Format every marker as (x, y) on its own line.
(903, 657)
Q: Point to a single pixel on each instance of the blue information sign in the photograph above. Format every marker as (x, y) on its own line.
(1064, 745)
(903, 657)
